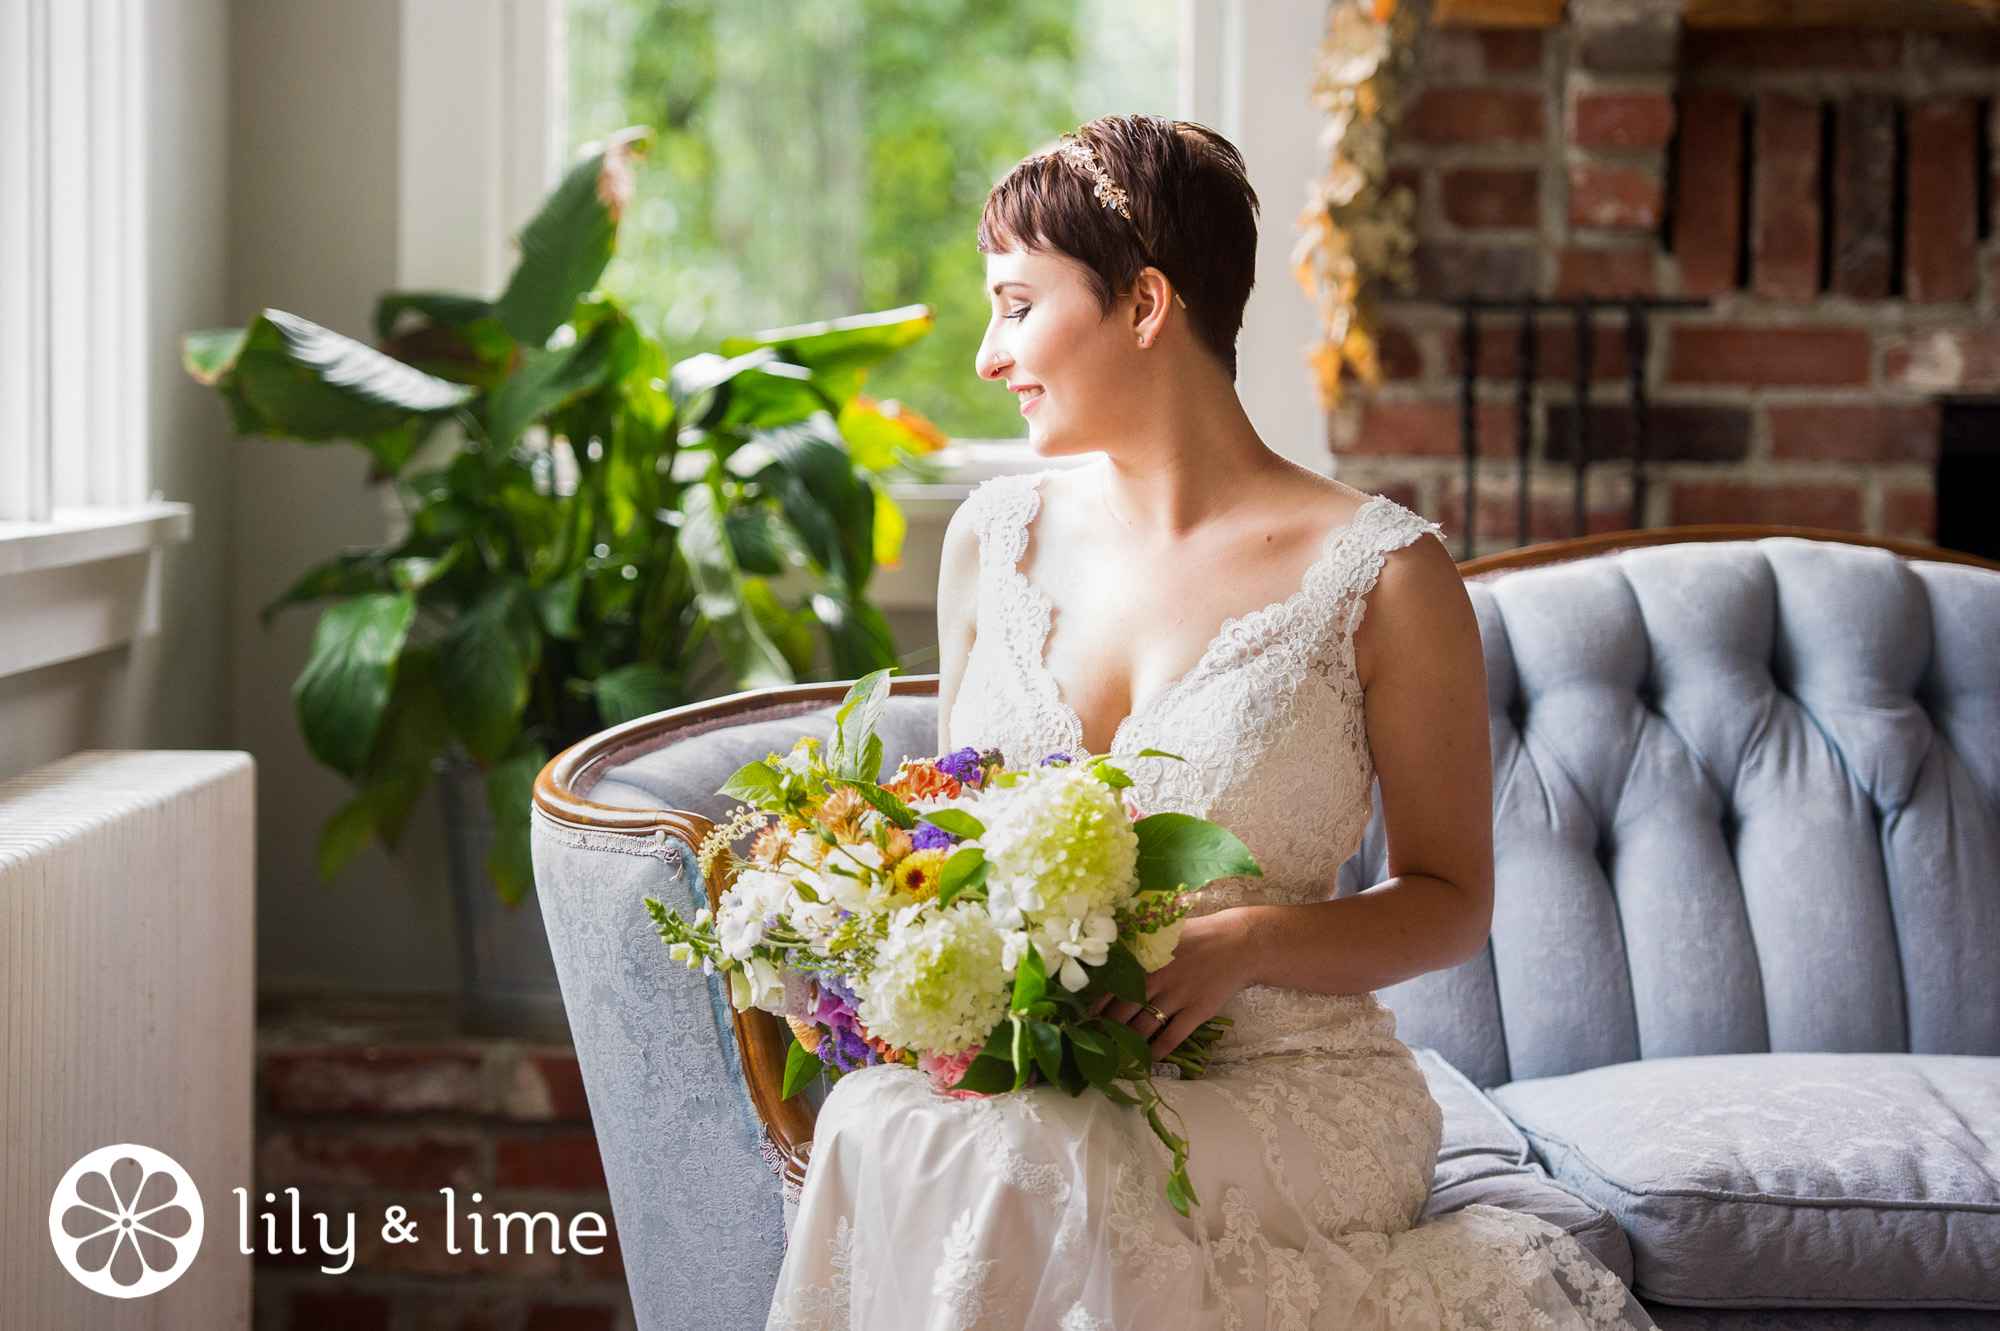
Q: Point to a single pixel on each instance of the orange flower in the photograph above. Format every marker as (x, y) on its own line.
(923, 781)
(842, 812)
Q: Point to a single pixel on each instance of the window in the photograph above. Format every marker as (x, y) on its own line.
(825, 159)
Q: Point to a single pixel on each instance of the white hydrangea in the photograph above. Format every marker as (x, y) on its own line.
(756, 895)
(937, 985)
(1059, 844)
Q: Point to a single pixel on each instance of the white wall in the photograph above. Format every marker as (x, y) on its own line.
(171, 690)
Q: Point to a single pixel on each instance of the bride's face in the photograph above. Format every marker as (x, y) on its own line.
(1065, 360)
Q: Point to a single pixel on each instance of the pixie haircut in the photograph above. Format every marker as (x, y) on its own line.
(1194, 217)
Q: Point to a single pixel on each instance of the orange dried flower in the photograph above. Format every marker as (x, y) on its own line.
(923, 781)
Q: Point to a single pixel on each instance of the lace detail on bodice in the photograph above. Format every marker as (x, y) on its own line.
(1270, 719)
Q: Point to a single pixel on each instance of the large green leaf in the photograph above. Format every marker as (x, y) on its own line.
(747, 649)
(510, 792)
(341, 694)
(548, 379)
(294, 379)
(1179, 850)
(565, 248)
(840, 352)
(485, 664)
(829, 505)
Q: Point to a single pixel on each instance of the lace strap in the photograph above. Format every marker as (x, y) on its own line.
(1380, 528)
(1002, 507)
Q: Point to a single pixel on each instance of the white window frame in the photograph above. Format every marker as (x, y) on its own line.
(484, 104)
(77, 526)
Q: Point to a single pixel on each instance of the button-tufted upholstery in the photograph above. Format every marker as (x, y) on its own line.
(1746, 799)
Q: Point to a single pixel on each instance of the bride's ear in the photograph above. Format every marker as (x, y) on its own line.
(1151, 295)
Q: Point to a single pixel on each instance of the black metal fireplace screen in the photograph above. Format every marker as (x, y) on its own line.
(1582, 311)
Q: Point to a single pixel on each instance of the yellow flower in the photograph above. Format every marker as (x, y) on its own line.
(916, 874)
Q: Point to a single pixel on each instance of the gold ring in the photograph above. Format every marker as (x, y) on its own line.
(1158, 1015)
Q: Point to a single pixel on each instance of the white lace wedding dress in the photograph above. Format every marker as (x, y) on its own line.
(1314, 1136)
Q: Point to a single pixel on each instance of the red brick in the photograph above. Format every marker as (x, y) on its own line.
(1431, 429)
(1511, 50)
(1492, 196)
(1709, 187)
(570, 1317)
(1397, 354)
(1943, 200)
(545, 1087)
(1675, 432)
(1614, 196)
(1784, 242)
(1864, 196)
(460, 1311)
(1733, 354)
(370, 1081)
(1791, 504)
(1555, 350)
(1621, 120)
(1861, 432)
(1549, 516)
(565, 1160)
(1474, 115)
(1941, 359)
(304, 1157)
(1911, 514)
(1790, 50)
(327, 1310)
(1445, 271)
(1622, 271)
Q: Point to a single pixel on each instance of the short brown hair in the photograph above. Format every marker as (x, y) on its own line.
(1194, 217)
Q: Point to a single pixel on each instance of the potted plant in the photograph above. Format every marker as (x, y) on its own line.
(611, 536)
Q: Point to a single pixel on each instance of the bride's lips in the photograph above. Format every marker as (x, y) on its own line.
(1029, 397)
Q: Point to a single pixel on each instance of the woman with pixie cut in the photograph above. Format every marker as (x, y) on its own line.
(1191, 590)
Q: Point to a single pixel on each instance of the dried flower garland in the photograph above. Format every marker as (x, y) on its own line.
(1356, 233)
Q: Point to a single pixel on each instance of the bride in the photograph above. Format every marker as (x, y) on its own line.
(1193, 591)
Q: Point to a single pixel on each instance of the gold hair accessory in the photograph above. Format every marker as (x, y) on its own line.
(1106, 190)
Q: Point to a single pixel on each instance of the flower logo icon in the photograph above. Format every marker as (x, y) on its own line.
(126, 1221)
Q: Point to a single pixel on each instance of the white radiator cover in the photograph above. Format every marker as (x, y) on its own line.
(127, 1010)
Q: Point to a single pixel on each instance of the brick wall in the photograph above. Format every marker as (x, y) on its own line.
(363, 1104)
(1829, 192)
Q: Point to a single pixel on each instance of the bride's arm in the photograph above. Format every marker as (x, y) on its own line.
(957, 612)
(1424, 678)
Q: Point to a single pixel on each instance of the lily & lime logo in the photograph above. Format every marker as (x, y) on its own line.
(126, 1221)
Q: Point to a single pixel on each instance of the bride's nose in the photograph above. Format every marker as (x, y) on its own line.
(990, 362)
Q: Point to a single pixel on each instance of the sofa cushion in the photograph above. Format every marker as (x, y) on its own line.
(1484, 1159)
(1760, 1180)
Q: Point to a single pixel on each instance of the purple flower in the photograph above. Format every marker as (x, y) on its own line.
(929, 836)
(962, 765)
(843, 1046)
(1054, 758)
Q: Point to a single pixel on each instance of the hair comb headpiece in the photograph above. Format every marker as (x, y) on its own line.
(1106, 190)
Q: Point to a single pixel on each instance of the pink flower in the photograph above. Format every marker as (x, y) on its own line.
(944, 1070)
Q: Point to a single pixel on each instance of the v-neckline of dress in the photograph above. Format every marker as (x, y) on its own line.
(1038, 652)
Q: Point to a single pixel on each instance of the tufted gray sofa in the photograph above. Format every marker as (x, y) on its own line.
(1738, 1024)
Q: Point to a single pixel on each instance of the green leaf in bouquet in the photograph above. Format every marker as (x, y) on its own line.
(859, 713)
(964, 871)
(1096, 1057)
(957, 822)
(871, 764)
(806, 891)
(1135, 1056)
(891, 808)
(1045, 1042)
(1113, 777)
(1178, 850)
(1158, 753)
(1180, 1192)
(802, 1066)
(756, 784)
(1031, 980)
(1022, 1057)
(1121, 975)
(987, 1075)
(344, 689)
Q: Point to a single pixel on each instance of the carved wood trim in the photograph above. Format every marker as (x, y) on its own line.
(762, 1039)
(1901, 14)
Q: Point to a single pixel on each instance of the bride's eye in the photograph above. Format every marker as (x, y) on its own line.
(1019, 312)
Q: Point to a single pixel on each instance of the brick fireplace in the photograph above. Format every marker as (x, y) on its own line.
(1826, 193)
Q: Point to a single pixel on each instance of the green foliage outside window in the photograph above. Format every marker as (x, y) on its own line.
(818, 158)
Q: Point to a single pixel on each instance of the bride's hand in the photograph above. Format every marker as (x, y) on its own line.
(1211, 963)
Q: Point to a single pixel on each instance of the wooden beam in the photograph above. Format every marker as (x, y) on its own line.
(1497, 13)
(1904, 14)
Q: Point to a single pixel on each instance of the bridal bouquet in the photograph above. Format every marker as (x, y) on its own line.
(962, 918)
